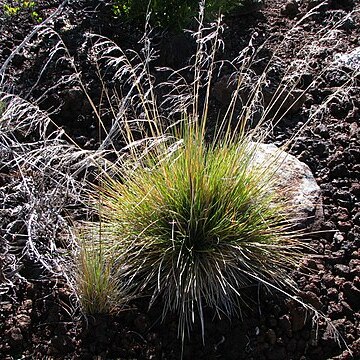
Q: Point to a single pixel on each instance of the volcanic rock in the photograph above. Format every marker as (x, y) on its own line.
(290, 9)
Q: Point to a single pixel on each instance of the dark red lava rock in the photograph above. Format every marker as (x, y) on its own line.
(298, 318)
(355, 189)
(290, 9)
(335, 310)
(271, 336)
(342, 270)
(16, 336)
(352, 294)
(328, 279)
(23, 321)
(311, 298)
(277, 353)
(332, 293)
(285, 324)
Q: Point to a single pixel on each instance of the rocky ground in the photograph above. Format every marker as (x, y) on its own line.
(38, 316)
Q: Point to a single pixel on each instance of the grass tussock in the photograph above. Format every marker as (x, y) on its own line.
(197, 224)
(97, 285)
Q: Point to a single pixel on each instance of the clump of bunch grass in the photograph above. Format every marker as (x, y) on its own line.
(196, 224)
(97, 285)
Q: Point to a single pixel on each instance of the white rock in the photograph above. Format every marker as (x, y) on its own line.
(351, 59)
(295, 181)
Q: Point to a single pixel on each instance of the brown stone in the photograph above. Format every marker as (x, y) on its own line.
(311, 298)
(23, 321)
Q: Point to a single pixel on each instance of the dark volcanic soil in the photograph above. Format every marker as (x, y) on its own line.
(38, 319)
